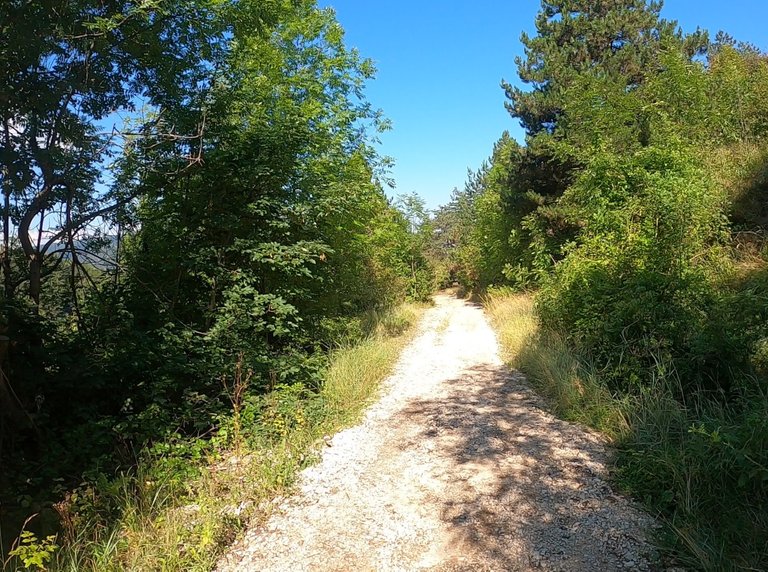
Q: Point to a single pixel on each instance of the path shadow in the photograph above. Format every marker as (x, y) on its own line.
(529, 489)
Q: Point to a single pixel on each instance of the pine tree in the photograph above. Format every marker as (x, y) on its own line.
(620, 38)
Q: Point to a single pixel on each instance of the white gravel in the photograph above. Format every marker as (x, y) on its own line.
(456, 467)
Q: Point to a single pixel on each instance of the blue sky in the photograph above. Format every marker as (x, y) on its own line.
(440, 63)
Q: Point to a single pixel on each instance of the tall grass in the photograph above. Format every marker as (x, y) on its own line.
(701, 465)
(356, 370)
(571, 385)
(179, 512)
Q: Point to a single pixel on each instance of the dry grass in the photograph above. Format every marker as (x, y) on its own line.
(356, 372)
(572, 388)
(513, 316)
(684, 473)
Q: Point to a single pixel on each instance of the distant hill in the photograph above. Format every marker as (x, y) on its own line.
(100, 252)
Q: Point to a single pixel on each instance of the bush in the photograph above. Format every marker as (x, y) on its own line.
(700, 465)
(704, 468)
(634, 290)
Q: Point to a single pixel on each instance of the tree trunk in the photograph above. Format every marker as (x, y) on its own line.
(7, 278)
(34, 279)
(6, 261)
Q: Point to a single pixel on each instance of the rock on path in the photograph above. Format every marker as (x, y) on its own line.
(456, 467)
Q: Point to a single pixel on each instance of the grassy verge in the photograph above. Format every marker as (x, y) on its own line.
(700, 466)
(185, 502)
(571, 386)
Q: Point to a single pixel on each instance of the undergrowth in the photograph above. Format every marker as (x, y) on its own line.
(700, 465)
(185, 501)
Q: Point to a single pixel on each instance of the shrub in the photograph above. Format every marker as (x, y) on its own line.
(633, 290)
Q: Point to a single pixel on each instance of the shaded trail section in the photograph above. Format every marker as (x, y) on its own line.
(456, 467)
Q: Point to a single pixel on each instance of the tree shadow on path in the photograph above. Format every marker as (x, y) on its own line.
(523, 490)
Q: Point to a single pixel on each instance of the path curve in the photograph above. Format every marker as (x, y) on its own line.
(456, 467)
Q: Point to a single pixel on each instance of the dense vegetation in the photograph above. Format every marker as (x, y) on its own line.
(202, 272)
(193, 222)
(637, 212)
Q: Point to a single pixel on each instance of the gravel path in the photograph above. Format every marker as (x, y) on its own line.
(456, 467)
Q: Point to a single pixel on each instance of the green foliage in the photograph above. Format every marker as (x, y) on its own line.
(412, 246)
(186, 499)
(619, 39)
(243, 228)
(638, 206)
(700, 466)
(633, 291)
(737, 84)
(472, 239)
(69, 68)
(574, 387)
(34, 553)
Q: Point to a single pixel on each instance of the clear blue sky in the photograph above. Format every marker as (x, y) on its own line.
(440, 63)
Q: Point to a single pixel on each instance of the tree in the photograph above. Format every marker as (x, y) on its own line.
(68, 69)
(588, 59)
(473, 233)
(619, 38)
(419, 234)
(253, 247)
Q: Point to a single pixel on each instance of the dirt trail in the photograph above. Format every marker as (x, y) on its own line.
(456, 467)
